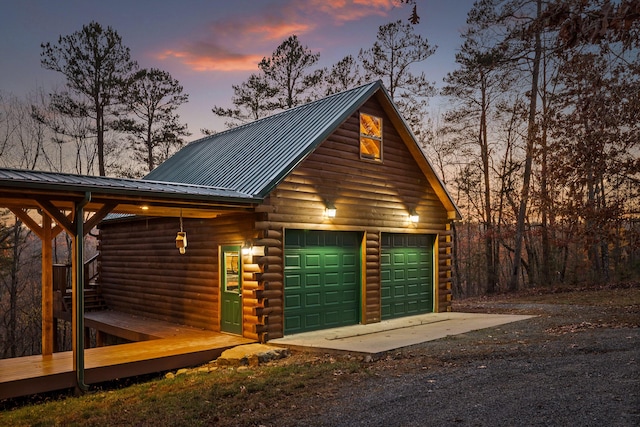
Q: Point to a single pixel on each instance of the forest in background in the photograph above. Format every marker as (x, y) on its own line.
(539, 146)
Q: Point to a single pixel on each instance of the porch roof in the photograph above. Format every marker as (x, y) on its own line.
(26, 189)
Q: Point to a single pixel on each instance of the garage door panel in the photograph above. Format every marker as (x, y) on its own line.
(350, 260)
(312, 280)
(294, 281)
(414, 290)
(399, 258)
(292, 260)
(312, 261)
(406, 275)
(398, 291)
(311, 320)
(350, 296)
(331, 260)
(329, 280)
(294, 321)
(312, 299)
(331, 297)
(293, 300)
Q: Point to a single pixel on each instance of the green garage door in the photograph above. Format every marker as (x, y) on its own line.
(407, 275)
(322, 280)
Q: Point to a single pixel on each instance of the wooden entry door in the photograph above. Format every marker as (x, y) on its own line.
(231, 290)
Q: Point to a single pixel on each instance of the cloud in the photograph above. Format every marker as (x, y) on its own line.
(202, 56)
(352, 10)
(240, 40)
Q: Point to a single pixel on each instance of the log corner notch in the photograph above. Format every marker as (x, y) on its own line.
(263, 288)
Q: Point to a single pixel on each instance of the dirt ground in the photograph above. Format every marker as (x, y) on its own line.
(576, 363)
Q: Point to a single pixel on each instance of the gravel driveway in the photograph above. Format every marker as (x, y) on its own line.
(570, 366)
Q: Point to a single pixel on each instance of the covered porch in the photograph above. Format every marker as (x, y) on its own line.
(51, 203)
(22, 376)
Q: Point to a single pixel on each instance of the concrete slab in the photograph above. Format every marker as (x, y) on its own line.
(378, 338)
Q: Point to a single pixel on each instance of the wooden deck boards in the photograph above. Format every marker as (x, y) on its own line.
(136, 328)
(174, 347)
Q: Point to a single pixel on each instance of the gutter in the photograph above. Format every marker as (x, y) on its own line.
(78, 246)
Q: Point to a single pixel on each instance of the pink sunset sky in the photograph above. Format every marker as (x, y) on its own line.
(208, 45)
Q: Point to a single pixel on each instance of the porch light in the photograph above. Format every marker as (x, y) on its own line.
(181, 238)
(330, 211)
(414, 217)
(181, 241)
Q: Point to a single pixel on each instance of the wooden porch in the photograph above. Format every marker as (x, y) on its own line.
(169, 347)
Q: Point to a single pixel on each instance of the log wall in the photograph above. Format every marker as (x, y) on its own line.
(369, 197)
(142, 272)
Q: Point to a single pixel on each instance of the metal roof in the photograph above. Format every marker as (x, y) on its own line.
(53, 181)
(239, 166)
(255, 157)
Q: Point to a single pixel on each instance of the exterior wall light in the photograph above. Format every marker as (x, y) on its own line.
(257, 250)
(246, 248)
(414, 217)
(330, 211)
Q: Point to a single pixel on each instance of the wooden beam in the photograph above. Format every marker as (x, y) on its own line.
(28, 221)
(47, 288)
(98, 216)
(57, 215)
(56, 230)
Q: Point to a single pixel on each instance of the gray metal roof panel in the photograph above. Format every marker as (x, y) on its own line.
(253, 158)
(37, 179)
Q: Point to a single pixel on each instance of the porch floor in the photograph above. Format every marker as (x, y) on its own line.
(23, 376)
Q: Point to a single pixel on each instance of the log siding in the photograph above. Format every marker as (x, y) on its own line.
(142, 272)
(370, 197)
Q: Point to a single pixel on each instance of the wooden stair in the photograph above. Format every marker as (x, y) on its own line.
(93, 300)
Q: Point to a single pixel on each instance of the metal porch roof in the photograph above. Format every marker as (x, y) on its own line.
(53, 181)
(25, 189)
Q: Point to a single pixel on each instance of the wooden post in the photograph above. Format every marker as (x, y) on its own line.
(47, 287)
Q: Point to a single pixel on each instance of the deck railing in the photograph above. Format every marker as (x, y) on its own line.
(62, 287)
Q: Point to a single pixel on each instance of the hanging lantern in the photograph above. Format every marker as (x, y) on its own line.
(181, 238)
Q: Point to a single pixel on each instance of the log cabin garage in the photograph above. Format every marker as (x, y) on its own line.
(349, 225)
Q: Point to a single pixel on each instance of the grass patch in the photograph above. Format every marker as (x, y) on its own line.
(194, 399)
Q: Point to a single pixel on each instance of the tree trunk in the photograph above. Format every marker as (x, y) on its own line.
(526, 179)
(100, 138)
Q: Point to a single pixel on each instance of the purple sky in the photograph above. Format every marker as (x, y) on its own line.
(208, 45)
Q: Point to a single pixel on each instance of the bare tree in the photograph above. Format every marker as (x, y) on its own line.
(289, 69)
(343, 75)
(152, 98)
(252, 99)
(96, 66)
(397, 49)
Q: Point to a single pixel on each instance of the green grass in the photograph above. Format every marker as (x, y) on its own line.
(190, 400)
